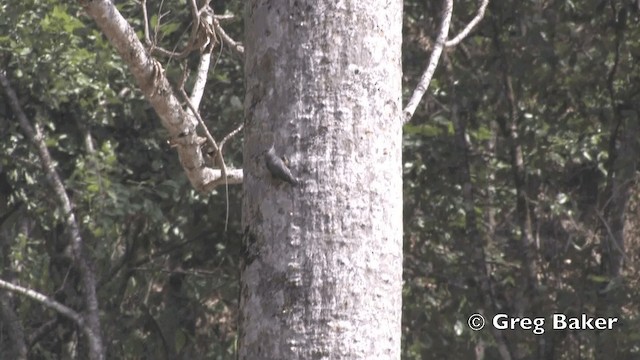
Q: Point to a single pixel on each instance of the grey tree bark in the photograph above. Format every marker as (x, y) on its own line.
(322, 272)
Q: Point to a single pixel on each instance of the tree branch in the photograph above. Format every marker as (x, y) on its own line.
(52, 304)
(46, 301)
(476, 20)
(426, 77)
(203, 65)
(153, 83)
(236, 46)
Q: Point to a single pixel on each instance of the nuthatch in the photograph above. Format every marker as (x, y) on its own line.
(277, 167)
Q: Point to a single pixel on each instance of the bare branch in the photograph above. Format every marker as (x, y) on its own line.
(153, 83)
(88, 277)
(481, 10)
(194, 10)
(203, 67)
(237, 47)
(425, 79)
(145, 20)
(230, 135)
(195, 113)
(210, 140)
(226, 18)
(46, 301)
(52, 304)
(201, 79)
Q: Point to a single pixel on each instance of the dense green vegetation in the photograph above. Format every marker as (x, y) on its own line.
(516, 171)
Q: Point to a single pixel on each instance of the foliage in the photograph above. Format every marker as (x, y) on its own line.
(573, 69)
(167, 268)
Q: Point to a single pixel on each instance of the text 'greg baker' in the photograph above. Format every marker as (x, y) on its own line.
(584, 322)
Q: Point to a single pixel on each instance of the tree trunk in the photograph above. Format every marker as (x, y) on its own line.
(622, 176)
(322, 272)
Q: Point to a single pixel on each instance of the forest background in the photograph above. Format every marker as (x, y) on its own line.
(521, 163)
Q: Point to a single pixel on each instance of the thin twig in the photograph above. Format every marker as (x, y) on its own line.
(193, 109)
(224, 140)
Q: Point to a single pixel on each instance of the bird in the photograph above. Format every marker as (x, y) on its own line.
(278, 168)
